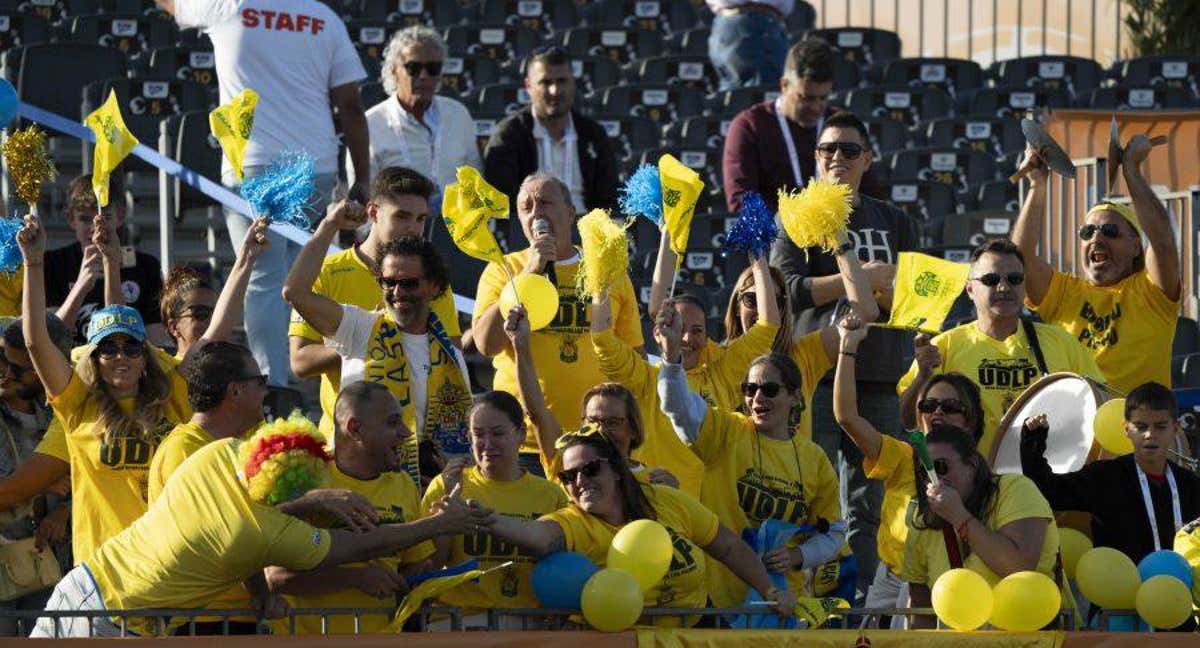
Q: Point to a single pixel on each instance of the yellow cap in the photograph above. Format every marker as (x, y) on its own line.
(1124, 210)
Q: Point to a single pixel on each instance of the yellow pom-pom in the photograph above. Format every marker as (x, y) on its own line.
(817, 215)
(28, 162)
(605, 256)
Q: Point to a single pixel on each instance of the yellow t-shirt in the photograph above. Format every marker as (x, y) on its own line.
(752, 478)
(1018, 498)
(54, 442)
(809, 354)
(894, 467)
(691, 526)
(202, 536)
(10, 292)
(528, 498)
(1187, 544)
(345, 279)
(1129, 326)
(566, 363)
(1004, 369)
(109, 480)
(395, 498)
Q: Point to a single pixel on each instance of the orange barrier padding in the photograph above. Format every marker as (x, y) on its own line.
(1084, 134)
(501, 639)
(849, 639)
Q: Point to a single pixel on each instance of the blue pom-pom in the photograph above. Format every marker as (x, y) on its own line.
(755, 228)
(10, 252)
(642, 194)
(284, 192)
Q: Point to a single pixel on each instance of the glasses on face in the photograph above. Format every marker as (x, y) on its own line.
(605, 421)
(258, 379)
(992, 279)
(130, 349)
(407, 285)
(849, 150)
(431, 68)
(1107, 230)
(749, 300)
(769, 389)
(588, 470)
(948, 406)
(941, 467)
(197, 312)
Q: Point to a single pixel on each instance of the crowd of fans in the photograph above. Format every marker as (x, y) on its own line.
(123, 456)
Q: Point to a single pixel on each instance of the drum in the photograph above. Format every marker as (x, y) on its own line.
(1069, 402)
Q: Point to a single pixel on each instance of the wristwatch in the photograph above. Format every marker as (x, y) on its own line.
(844, 248)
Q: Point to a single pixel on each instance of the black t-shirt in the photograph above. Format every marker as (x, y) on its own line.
(141, 284)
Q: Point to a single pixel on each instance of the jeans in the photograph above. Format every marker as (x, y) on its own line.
(862, 498)
(747, 49)
(266, 315)
(76, 591)
(888, 591)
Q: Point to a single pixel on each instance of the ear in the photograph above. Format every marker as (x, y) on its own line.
(352, 428)
(783, 83)
(372, 211)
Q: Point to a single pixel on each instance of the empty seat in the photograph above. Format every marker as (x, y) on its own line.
(704, 161)
(132, 34)
(691, 71)
(693, 42)
(887, 134)
(438, 13)
(991, 135)
(1191, 372)
(1159, 72)
(497, 41)
(185, 64)
(542, 16)
(951, 75)
(998, 194)
(1073, 74)
(1014, 101)
(620, 44)
(905, 104)
(593, 73)
(188, 140)
(924, 200)
(973, 228)
(662, 16)
(1144, 98)
(463, 74)
(861, 46)
(502, 98)
(628, 133)
(662, 104)
(707, 131)
(144, 103)
(17, 30)
(372, 93)
(1187, 337)
(71, 65)
(736, 100)
(485, 125)
(370, 37)
(51, 10)
(956, 167)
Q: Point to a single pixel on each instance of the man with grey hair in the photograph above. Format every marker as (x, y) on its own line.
(562, 351)
(415, 127)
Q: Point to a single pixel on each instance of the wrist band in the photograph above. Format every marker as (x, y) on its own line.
(848, 353)
(962, 528)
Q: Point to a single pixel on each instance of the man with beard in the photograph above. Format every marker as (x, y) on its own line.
(1000, 352)
(404, 346)
(1125, 306)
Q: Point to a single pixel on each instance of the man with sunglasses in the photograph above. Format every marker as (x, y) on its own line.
(1124, 307)
(550, 135)
(1002, 353)
(877, 232)
(415, 127)
(403, 344)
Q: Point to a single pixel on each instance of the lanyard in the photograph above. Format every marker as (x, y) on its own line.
(1175, 511)
(793, 157)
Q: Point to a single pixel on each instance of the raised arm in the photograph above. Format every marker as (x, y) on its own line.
(845, 391)
(545, 424)
(53, 368)
(664, 274)
(683, 407)
(104, 237)
(536, 537)
(856, 283)
(1162, 257)
(90, 271)
(228, 310)
(1027, 231)
(321, 312)
(764, 291)
(927, 358)
(1073, 491)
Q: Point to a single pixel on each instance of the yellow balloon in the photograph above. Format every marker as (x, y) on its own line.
(1073, 544)
(1109, 427)
(1025, 601)
(612, 600)
(1164, 602)
(643, 549)
(962, 599)
(538, 295)
(1108, 578)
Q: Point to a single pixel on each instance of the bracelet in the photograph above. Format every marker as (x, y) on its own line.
(962, 529)
(848, 353)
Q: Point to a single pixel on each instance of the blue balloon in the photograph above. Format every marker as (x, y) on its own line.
(558, 579)
(8, 103)
(1166, 562)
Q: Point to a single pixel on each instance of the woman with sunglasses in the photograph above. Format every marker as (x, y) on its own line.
(1002, 524)
(187, 304)
(123, 394)
(605, 496)
(496, 480)
(757, 467)
(946, 399)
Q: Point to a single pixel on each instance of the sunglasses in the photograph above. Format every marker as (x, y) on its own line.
(588, 470)
(129, 349)
(992, 279)
(941, 467)
(260, 379)
(605, 422)
(749, 300)
(406, 285)
(1107, 230)
(202, 313)
(849, 150)
(432, 68)
(949, 406)
(769, 389)
(568, 438)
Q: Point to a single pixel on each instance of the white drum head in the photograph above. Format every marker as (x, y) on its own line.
(1069, 403)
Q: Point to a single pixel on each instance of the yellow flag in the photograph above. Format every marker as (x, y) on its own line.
(816, 611)
(926, 288)
(425, 591)
(113, 143)
(231, 124)
(681, 189)
(467, 205)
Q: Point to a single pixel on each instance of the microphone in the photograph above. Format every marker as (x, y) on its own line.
(540, 227)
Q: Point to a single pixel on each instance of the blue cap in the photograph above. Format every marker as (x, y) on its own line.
(116, 319)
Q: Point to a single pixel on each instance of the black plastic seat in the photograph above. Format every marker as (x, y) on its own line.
(691, 71)
(1073, 74)
(1014, 101)
(1127, 97)
(463, 74)
(629, 133)
(908, 105)
(406, 13)
(958, 168)
(370, 37)
(620, 44)
(132, 34)
(189, 141)
(18, 30)
(662, 104)
(542, 16)
(661, 16)
(185, 64)
(861, 46)
(990, 135)
(948, 74)
(1159, 72)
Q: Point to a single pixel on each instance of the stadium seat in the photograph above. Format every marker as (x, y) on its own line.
(463, 74)
(905, 104)
(346, 9)
(71, 65)
(499, 42)
(1187, 337)
(689, 71)
(702, 267)
(956, 167)
(1072, 74)
(693, 42)
(372, 66)
(991, 135)
(621, 45)
(628, 133)
(860, 46)
(1190, 378)
(18, 30)
(924, 200)
(1126, 97)
(846, 76)
(662, 16)
(485, 124)
(731, 102)
(997, 194)
(145, 103)
(948, 74)
(501, 98)
(707, 131)
(887, 134)
(435, 13)
(802, 19)
(1159, 72)
(371, 94)
(132, 34)
(188, 140)
(973, 228)
(370, 37)
(663, 104)
(185, 64)
(543, 16)
(704, 161)
(1014, 101)
(51, 10)
(594, 73)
